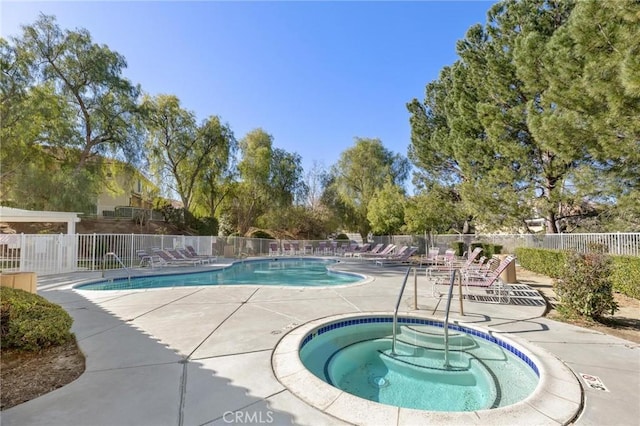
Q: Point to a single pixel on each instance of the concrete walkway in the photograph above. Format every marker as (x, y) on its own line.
(202, 355)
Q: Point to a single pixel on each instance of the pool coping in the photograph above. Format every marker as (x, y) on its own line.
(557, 399)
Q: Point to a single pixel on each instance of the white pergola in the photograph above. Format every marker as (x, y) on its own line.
(9, 214)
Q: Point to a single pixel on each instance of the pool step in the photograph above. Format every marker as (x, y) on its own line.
(434, 338)
(373, 358)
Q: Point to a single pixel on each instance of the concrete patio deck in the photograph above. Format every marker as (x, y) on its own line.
(202, 355)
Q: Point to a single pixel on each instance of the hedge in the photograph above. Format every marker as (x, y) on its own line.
(30, 322)
(488, 249)
(458, 246)
(625, 274)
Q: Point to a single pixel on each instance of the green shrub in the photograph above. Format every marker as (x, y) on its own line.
(488, 249)
(626, 275)
(458, 246)
(585, 287)
(205, 225)
(625, 272)
(30, 322)
(542, 261)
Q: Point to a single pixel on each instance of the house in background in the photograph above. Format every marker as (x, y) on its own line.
(126, 189)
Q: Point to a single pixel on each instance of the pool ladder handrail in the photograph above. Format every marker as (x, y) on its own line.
(121, 264)
(446, 318)
(395, 312)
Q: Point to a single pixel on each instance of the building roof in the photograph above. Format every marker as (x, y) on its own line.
(9, 214)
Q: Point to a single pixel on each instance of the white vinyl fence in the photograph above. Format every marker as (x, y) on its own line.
(54, 254)
(617, 243)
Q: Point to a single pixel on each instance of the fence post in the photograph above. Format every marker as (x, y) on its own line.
(59, 254)
(131, 250)
(93, 253)
(23, 256)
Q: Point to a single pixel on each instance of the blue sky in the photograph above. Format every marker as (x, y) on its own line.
(312, 74)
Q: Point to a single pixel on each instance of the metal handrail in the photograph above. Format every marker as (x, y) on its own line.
(121, 264)
(446, 318)
(395, 312)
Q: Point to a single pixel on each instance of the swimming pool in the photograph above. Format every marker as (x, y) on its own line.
(281, 272)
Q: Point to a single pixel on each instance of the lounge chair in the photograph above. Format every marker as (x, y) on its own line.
(322, 248)
(170, 260)
(147, 259)
(333, 248)
(177, 255)
(375, 250)
(296, 248)
(391, 254)
(450, 262)
(400, 259)
(482, 268)
(342, 249)
(195, 255)
(286, 249)
(432, 256)
(354, 249)
(381, 254)
(447, 259)
(187, 255)
(273, 249)
(492, 282)
(308, 249)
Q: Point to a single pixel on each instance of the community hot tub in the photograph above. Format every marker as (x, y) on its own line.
(345, 366)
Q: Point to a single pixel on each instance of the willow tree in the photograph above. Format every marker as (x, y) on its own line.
(512, 123)
(386, 210)
(359, 172)
(180, 151)
(270, 180)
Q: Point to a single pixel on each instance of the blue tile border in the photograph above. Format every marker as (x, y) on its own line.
(420, 321)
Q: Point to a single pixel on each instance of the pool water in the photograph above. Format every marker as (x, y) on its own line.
(358, 359)
(281, 272)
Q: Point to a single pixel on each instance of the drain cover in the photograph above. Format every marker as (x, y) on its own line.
(378, 381)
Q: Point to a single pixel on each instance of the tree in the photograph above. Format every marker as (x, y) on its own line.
(520, 123)
(251, 198)
(65, 108)
(385, 211)
(181, 153)
(314, 180)
(285, 178)
(436, 210)
(597, 78)
(270, 179)
(89, 77)
(361, 170)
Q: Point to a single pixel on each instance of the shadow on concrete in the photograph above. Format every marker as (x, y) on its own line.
(132, 379)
